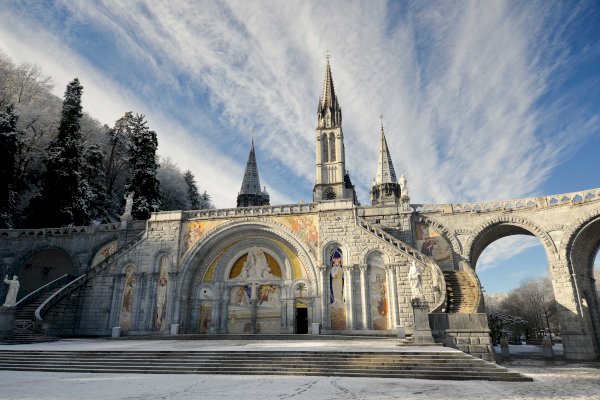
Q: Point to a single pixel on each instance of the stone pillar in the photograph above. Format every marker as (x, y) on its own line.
(577, 337)
(422, 334)
(390, 273)
(214, 309)
(253, 307)
(324, 297)
(348, 295)
(224, 305)
(395, 314)
(364, 296)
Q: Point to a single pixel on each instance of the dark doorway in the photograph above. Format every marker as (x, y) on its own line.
(302, 320)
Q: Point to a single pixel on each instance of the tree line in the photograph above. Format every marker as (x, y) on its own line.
(529, 310)
(61, 167)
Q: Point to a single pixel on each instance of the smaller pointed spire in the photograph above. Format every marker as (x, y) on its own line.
(250, 194)
(251, 181)
(385, 168)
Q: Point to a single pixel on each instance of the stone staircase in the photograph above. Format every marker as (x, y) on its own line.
(448, 365)
(408, 251)
(24, 327)
(462, 293)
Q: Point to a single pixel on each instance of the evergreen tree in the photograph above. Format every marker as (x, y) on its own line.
(95, 176)
(206, 201)
(65, 193)
(142, 156)
(10, 145)
(192, 190)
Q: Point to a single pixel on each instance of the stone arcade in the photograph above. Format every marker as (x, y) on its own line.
(276, 269)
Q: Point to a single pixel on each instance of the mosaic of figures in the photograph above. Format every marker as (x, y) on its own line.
(337, 302)
(161, 294)
(105, 251)
(305, 227)
(432, 244)
(378, 298)
(196, 230)
(128, 300)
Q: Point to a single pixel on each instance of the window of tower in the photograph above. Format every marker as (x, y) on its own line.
(331, 147)
(325, 152)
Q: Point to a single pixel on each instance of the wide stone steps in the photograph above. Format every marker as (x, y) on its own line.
(424, 365)
(462, 294)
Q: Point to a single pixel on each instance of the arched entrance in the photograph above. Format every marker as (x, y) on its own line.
(248, 278)
(43, 267)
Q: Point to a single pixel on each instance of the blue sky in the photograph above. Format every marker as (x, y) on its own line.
(481, 100)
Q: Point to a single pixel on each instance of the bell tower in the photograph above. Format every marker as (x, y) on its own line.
(332, 181)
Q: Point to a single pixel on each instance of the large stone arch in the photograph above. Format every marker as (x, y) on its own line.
(212, 247)
(580, 245)
(503, 226)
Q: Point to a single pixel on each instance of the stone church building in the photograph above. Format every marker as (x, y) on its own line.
(277, 269)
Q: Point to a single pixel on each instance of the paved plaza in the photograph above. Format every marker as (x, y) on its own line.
(558, 380)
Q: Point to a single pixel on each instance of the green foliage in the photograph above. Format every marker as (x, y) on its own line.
(65, 194)
(192, 190)
(142, 156)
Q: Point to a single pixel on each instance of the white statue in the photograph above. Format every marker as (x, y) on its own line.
(128, 207)
(403, 186)
(256, 265)
(414, 277)
(13, 290)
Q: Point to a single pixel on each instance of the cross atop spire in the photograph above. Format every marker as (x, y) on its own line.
(329, 112)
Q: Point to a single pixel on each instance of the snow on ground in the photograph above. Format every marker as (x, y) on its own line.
(569, 382)
(552, 380)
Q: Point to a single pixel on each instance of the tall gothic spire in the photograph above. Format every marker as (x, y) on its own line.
(329, 114)
(250, 193)
(385, 189)
(385, 168)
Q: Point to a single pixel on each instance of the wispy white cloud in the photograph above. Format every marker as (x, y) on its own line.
(464, 87)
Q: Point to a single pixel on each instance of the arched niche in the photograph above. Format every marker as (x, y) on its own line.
(42, 267)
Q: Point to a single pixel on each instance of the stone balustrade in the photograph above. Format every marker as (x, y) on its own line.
(509, 205)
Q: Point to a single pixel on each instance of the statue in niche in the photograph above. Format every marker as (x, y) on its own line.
(256, 265)
(13, 290)
(414, 277)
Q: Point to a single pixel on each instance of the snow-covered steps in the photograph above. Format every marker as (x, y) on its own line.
(410, 364)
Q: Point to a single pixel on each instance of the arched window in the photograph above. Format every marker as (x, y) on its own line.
(331, 147)
(325, 152)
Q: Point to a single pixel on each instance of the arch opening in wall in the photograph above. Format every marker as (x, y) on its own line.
(41, 268)
(512, 268)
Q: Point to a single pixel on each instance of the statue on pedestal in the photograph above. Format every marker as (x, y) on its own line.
(256, 265)
(414, 277)
(128, 207)
(13, 290)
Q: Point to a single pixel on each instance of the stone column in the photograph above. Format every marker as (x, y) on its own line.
(390, 271)
(214, 309)
(324, 297)
(253, 307)
(364, 296)
(224, 306)
(348, 295)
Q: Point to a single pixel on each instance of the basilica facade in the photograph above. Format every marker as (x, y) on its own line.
(279, 269)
